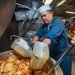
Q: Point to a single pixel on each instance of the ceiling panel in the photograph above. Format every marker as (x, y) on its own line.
(69, 5)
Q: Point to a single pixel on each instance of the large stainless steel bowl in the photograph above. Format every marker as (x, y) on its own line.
(46, 68)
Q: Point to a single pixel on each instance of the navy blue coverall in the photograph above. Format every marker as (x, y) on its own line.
(57, 35)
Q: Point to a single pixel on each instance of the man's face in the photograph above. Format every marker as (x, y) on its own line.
(46, 16)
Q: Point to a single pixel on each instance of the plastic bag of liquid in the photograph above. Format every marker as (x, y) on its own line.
(21, 46)
(40, 55)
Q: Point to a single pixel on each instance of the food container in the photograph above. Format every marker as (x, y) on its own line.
(21, 46)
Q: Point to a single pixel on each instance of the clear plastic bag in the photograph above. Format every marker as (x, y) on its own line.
(40, 55)
(21, 46)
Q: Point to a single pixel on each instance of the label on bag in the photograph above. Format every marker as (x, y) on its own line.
(22, 43)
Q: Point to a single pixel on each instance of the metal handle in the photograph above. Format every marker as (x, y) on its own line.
(15, 36)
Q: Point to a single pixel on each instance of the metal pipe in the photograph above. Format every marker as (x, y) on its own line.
(61, 58)
(14, 36)
(22, 6)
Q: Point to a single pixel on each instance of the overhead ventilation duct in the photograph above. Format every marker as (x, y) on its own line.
(36, 4)
(48, 1)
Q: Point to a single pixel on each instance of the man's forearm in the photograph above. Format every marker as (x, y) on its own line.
(34, 39)
(46, 40)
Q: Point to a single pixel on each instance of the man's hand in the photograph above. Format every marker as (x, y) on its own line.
(32, 45)
(48, 41)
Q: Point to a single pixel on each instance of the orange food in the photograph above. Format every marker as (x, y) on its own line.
(14, 66)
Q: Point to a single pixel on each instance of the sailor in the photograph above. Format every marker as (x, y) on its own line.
(54, 34)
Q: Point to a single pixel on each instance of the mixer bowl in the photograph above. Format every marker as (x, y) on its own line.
(48, 65)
